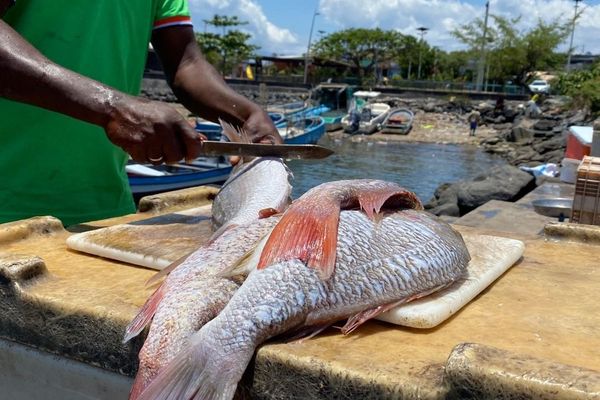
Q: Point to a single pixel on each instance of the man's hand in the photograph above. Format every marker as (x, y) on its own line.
(261, 129)
(152, 132)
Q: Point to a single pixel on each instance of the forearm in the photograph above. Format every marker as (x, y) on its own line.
(196, 83)
(202, 90)
(29, 77)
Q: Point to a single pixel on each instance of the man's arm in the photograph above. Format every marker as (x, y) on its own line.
(202, 89)
(143, 128)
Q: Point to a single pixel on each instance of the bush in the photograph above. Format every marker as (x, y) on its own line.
(582, 86)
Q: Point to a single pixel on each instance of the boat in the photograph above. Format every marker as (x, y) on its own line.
(146, 179)
(210, 129)
(302, 131)
(336, 97)
(365, 116)
(333, 119)
(399, 121)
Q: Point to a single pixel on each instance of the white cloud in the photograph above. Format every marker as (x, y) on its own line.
(269, 36)
(441, 16)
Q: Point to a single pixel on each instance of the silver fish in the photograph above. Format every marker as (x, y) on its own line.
(378, 264)
(194, 291)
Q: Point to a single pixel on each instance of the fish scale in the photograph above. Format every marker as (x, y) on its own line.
(373, 267)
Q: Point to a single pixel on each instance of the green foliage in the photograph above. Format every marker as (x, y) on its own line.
(228, 48)
(513, 54)
(582, 86)
(364, 48)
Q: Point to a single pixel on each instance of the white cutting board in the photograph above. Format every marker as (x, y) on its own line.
(157, 242)
(153, 243)
(491, 256)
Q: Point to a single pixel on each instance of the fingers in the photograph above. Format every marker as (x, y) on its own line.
(192, 141)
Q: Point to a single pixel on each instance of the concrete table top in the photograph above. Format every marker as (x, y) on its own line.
(543, 311)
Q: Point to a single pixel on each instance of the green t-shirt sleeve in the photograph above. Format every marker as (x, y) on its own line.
(172, 12)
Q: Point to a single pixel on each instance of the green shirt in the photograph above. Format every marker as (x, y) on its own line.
(53, 164)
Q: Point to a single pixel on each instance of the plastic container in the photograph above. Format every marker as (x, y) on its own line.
(568, 170)
(579, 142)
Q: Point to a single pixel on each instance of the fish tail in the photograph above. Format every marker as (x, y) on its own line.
(145, 315)
(203, 371)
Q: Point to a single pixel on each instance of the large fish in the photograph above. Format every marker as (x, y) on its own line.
(379, 263)
(194, 292)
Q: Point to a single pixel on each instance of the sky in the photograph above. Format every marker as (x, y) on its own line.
(282, 26)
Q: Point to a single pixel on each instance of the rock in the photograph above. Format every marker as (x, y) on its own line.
(546, 146)
(502, 127)
(505, 183)
(448, 209)
(510, 114)
(545, 124)
(522, 130)
(579, 117)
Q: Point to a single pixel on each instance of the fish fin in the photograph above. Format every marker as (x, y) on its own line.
(363, 316)
(373, 200)
(229, 131)
(308, 232)
(137, 388)
(145, 315)
(267, 212)
(306, 333)
(221, 231)
(247, 263)
(166, 271)
(199, 372)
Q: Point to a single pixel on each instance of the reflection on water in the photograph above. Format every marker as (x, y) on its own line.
(418, 167)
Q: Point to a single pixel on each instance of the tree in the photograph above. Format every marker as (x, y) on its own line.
(228, 48)
(363, 48)
(513, 54)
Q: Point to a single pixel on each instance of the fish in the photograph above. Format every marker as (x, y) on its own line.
(382, 258)
(257, 187)
(193, 291)
(193, 294)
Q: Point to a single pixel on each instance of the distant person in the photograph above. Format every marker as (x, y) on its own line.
(70, 72)
(473, 118)
(532, 109)
(499, 107)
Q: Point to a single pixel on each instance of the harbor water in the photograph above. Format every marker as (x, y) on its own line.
(420, 167)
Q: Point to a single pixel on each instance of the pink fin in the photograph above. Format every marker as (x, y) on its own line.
(308, 232)
(166, 271)
(372, 201)
(307, 332)
(145, 315)
(267, 212)
(220, 232)
(137, 388)
(363, 316)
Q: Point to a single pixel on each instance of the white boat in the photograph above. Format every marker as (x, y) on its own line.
(399, 121)
(365, 116)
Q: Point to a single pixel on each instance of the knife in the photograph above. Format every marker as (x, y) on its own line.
(297, 151)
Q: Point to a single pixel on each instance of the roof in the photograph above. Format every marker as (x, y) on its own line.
(366, 93)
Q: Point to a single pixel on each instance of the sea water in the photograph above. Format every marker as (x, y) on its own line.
(419, 167)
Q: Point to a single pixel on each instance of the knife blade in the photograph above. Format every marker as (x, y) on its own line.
(296, 151)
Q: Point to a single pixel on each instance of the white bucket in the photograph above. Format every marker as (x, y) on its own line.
(568, 170)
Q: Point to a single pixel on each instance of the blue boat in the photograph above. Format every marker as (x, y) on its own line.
(213, 130)
(146, 179)
(302, 131)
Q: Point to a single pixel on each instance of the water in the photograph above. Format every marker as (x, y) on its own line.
(418, 167)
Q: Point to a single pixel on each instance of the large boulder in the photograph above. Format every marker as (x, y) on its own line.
(522, 130)
(505, 183)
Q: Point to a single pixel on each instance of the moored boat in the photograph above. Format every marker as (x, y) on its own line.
(302, 131)
(399, 121)
(365, 116)
(145, 179)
